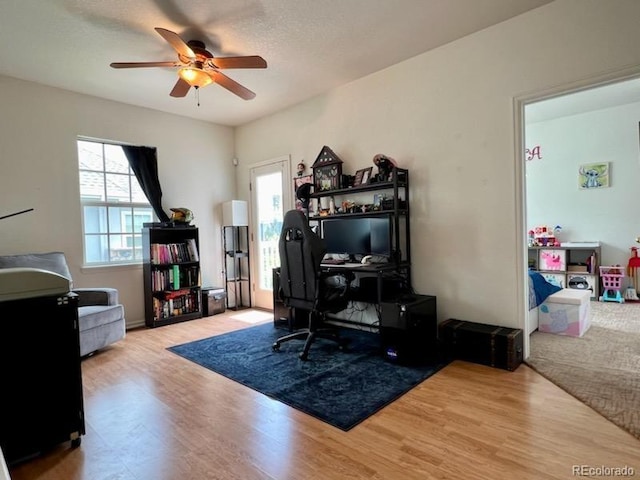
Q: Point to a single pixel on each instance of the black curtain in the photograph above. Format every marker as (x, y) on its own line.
(144, 163)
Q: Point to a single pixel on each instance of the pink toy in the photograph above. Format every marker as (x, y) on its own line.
(552, 261)
(612, 277)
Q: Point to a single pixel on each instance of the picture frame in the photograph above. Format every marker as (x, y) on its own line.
(594, 175)
(362, 176)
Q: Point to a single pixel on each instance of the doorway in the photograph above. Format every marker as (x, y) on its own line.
(563, 130)
(270, 187)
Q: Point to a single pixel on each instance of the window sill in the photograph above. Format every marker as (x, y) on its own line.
(110, 268)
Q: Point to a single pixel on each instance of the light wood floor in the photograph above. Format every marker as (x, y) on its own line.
(152, 415)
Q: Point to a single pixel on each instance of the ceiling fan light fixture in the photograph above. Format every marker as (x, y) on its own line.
(196, 67)
(196, 77)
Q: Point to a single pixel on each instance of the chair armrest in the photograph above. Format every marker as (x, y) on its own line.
(96, 296)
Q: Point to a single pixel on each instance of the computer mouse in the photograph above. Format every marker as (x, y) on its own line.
(366, 259)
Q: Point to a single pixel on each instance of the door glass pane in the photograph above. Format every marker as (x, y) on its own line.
(270, 214)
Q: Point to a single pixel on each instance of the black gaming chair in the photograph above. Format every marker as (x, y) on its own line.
(303, 286)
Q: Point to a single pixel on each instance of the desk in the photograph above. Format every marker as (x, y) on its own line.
(398, 276)
(387, 281)
(407, 323)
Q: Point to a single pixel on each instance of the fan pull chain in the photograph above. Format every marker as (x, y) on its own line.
(197, 95)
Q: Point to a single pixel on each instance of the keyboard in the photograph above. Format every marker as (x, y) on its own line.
(332, 261)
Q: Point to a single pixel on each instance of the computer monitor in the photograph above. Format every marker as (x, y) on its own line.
(358, 236)
(380, 236)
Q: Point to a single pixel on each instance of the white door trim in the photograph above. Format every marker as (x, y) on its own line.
(519, 103)
(284, 162)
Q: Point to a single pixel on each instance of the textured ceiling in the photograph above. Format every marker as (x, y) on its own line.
(310, 46)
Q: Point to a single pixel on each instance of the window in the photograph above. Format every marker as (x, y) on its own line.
(114, 207)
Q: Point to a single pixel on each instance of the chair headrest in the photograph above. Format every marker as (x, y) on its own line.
(296, 219)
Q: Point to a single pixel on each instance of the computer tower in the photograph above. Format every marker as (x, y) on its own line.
(409, 329)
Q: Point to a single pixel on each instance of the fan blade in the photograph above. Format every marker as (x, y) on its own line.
(180, 89)
(177, 43)
(231, 85)
(253, 61)
(144, 64)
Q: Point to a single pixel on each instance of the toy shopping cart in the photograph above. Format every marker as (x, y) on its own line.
(612, 277)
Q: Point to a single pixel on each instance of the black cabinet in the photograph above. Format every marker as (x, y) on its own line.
(171, 270)
(41, 375)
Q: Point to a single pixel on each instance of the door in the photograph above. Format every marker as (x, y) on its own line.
(270, 199)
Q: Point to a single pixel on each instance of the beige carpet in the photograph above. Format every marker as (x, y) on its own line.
(602, 369)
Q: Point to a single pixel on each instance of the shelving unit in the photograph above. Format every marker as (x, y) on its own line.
(569, 267)
(171, 269)
(237, 272)
(395, 204)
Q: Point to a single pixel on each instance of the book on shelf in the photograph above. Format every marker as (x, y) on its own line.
(193, 249)
(171, 304)
(165, 253)
(176, 277)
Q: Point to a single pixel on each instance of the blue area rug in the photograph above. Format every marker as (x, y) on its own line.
(340, 388)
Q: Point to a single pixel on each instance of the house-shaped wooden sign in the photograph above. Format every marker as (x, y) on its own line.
(327, 170)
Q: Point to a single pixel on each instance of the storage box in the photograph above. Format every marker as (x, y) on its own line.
(499, 347)
(552, 259)
(557, 279)
(213, 301)
(567, 312)
(583, 281)
(578, 268)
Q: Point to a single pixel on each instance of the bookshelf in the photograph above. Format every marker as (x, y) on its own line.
(171, 270)
(573, 265)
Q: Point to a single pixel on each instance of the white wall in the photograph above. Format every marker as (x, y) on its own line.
(38, 169)
(447, 115)
(553, 197)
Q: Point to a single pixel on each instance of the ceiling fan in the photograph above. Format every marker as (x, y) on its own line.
(198, 67)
